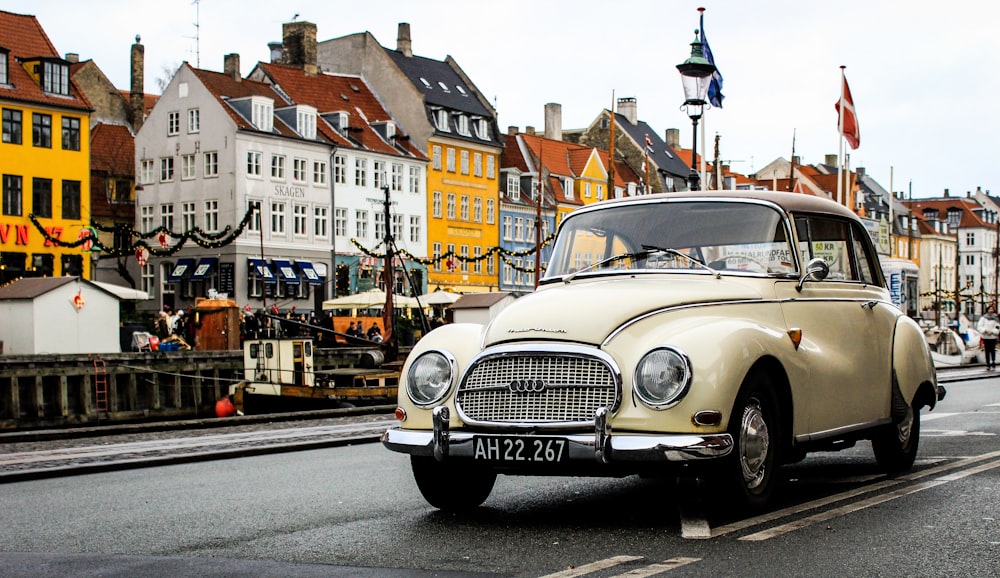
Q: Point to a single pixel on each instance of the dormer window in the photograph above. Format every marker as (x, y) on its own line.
(390, 130)
(513, 187)
(463, 124)
(55, 77)
(305, 121)
(441, 120)
(262, 112)
(483, 129)
(4, 76)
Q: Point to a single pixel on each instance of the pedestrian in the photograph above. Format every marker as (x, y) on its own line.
(162, 326)
(374, 333)
(989, 329)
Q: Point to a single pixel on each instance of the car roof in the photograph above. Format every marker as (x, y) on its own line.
(789, 202)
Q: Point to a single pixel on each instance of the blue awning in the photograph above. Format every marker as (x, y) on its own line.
(263, 271)
(181, 270)
(203, 268)
(309, 272)
(286, 271)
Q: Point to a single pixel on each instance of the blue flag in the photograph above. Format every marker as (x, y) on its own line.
(715, 88)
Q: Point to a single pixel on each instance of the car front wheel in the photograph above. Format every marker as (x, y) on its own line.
(895, 445)
(749, 471)
(449, 486)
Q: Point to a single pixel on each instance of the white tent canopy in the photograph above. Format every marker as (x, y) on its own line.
(438, 298)
(372, 299)
(126, 293)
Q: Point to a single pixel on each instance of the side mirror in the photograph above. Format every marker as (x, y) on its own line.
(816, 270)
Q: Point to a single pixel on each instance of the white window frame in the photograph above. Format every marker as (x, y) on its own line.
(361, 223)
(194, 120)
(277, 218)
(436, 157)
(188, 167)
(436, 205)
(319, 173)
(477, 210)
(174, 123)
(416, 230)
(415, 180)
(340, 169)
(300, 220)
(147, 171)
(189, 216)
(211, 216)
(465, 162)
(320, 219)
(477, 164)
(210, 167)
(397, 177)
(300, 168)
(360, 172)
(255, 161)
(340, 222)
(277, 167)
(450, 154)
(256, 220)
(451, 206)
(147, 218)
(166, 169)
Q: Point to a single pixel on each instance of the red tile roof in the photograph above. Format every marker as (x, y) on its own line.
(112, 149)
(225, 87)
(25, 38)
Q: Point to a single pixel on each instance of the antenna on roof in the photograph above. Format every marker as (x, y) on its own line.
(197, 33)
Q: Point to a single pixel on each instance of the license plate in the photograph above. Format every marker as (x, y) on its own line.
(519, 449)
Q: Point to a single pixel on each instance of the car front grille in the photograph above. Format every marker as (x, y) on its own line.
(504, 389)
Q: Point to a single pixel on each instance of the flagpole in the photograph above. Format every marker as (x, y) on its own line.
(840, 138)
(611, 148)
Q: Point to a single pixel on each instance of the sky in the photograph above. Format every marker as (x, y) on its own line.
(923, 75)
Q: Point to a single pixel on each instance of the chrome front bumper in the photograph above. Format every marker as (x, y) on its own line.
(602, 445)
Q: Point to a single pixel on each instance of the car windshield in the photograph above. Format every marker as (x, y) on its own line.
(693, 236)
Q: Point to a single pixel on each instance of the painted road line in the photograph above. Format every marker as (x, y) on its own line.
(660, 568)
(593, 567)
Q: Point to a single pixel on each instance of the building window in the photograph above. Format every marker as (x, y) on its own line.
(278, 218)
(477, 164)
(361, 224)
(378, 174)
(166, 169)
(436, 207)
(465, 162)
(320, 222)
(55, 78)
(211, 216)
(340, 222)
(397, 177)
(518, 229)
(340, 169)
(187, 167)
(71, 200)
(257, 218)
(262, 115)
(508, 227)
(70, 133)
(254, 160)
(306, 122)
(41, 197)
(146, 219)
(970, 259)
(319, 173)
(414, 179)
(41, 130)
(483, 129)
(300, 219)
(188, 216)
(194, 120)
(211, 167)
(490, 213)
(148, 279)
(415, 229)
(436, 255)
(586, 190)
(451, 160)
(3, 67)
(477, 263)
(464, 207)
(600, 192)
(278, 167)
(436, 157)
(299, 168)
(167, 217)
(361, 172)
(491, 167)
(513, 187)
(379, 225)
(451, 206)
(397, 226)
(970, 239)
(463, 124)
(477, 210)
(11, 126)
(464, 251)
(173, 123)
(13, 195)
(441, 120)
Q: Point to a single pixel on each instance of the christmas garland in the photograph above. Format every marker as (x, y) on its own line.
(504, 254)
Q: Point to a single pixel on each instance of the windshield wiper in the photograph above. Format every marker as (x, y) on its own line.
(654, 249)
(646, 250)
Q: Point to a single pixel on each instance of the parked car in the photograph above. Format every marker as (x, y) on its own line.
(710, 334)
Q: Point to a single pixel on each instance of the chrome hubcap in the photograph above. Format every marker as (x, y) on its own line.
(905, 427)
(754, 443)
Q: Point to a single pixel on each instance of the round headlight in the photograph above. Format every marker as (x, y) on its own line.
(662, 377)
(429, 378)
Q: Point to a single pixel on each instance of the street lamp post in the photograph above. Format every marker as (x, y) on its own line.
(696, 75)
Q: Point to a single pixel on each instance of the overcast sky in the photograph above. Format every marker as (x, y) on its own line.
(923, 74)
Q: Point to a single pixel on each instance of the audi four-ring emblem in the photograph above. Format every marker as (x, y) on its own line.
(526, 386)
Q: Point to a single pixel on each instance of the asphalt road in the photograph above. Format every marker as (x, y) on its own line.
(355, 511)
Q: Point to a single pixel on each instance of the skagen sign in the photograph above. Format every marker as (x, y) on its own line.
(289, 191)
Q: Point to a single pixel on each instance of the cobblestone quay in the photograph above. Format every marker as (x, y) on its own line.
(61, 390)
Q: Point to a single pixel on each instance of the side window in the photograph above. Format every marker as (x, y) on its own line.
(830, 240)
(867, 262)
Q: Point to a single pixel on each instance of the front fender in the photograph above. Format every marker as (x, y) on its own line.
(912, 364)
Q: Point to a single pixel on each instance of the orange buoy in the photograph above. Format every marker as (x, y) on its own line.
(224, 408)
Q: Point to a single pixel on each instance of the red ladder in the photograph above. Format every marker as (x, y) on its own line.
(100, 385)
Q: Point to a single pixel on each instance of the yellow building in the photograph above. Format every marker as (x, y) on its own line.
(44, 156)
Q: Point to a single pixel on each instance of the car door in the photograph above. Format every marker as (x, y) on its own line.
(846, 322)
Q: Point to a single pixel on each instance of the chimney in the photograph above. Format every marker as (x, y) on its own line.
(628, 108)
(137, 96)
(830, 160)
(231, 66)
(946, 193)
(512, 130)
(529, 130)
(553, 121)
(72, 57)
(403, 43)
(672, 137)
(276, 52)
(860, 171)
(797, 160)
(298, 45)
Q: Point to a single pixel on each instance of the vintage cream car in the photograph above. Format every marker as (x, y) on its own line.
(715, 335)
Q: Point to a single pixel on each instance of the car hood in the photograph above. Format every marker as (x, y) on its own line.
(587, 311)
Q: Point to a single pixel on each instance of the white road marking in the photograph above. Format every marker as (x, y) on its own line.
(593, 567)
(661, 568)
(695, 528)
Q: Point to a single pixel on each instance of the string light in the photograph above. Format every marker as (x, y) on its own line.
(504, 254)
